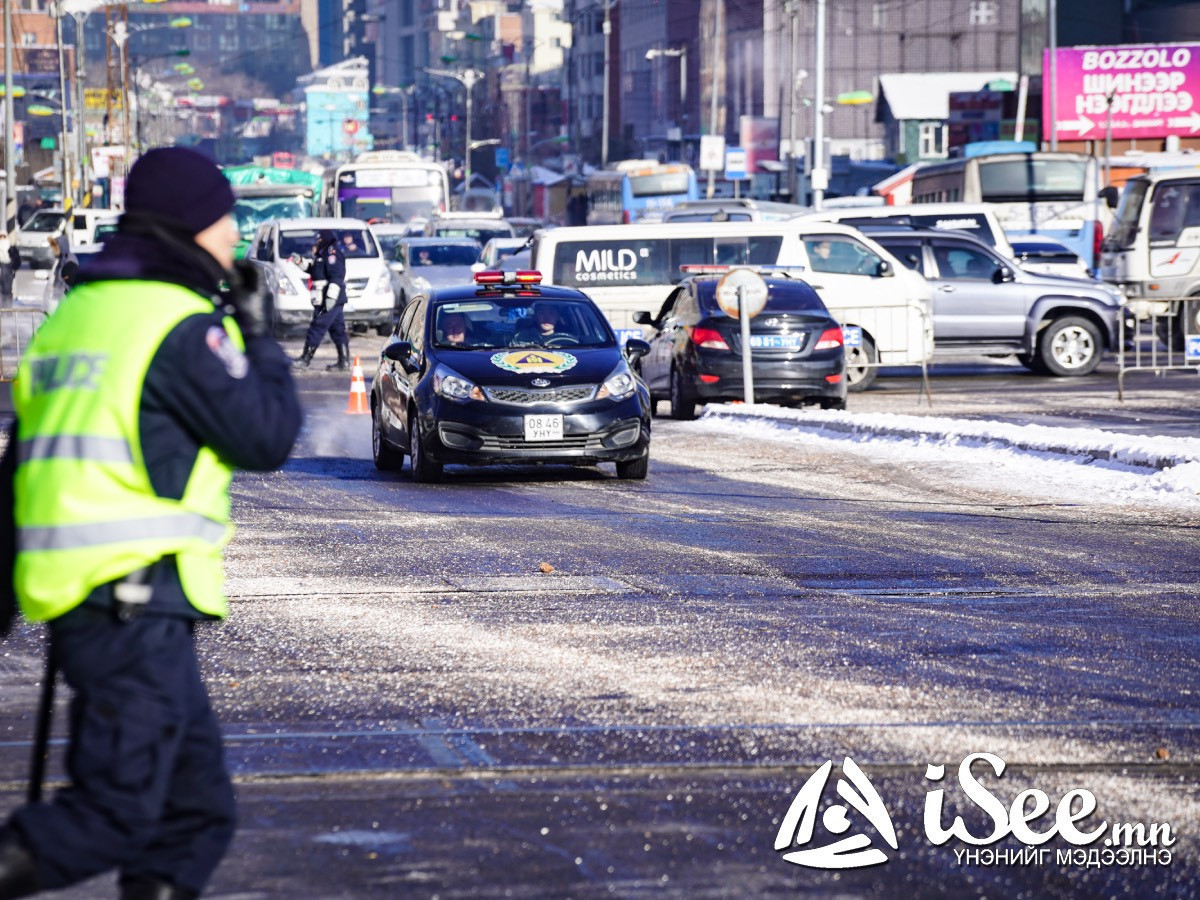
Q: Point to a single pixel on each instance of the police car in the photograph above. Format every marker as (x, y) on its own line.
(507, 370)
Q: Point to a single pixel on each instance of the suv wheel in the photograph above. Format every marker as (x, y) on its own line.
(860, 375)
(1070, 346)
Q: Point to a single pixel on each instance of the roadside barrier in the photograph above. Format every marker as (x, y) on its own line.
(1166, 339)
(876, 336)
(17, 327)
(358, 391)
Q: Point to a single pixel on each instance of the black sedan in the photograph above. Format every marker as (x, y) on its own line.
(797, 347)
(508, 371)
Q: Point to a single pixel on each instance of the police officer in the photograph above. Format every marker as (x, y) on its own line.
(328, 273)
(155, 378)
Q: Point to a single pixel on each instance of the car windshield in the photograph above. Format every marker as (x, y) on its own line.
(356, 243)
(514, 322)
(482, 234)
(44, 222)
(443, 254)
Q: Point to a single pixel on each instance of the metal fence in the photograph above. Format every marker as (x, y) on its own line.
(877, 336)
(1167, 339)
(17, 326)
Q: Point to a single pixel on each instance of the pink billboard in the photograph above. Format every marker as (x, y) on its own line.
(1155, 91)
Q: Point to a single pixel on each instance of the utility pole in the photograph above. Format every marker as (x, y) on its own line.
(819, 176)
(607, 31)
(64, 139)
(716, 81)
(80, 16)
(10, 164)
(790, 81)
(1053, 26)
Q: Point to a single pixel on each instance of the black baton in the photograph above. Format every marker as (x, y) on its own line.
(41, 736)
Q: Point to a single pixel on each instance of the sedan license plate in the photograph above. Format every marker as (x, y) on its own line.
(544, 428)
(776, 341)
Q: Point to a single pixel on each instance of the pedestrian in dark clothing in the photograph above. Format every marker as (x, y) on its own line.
(10, 261)
(113, 516)
(328, 273)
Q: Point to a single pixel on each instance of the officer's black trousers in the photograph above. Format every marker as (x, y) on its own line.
(149, 793)
(332, 320)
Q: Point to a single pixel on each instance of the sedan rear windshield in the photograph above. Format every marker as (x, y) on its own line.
(782, 298)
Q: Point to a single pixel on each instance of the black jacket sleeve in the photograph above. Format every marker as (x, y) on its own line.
(242, 405)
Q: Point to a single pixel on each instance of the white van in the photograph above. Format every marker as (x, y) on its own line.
(626, 268)
(976, 219)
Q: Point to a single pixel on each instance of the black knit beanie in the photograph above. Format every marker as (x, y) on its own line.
(181, 187)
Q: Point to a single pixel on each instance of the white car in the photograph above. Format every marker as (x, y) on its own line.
(1047, 257)
(370, 298)
(498, 249)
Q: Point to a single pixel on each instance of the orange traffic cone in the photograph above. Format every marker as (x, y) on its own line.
(358, 391)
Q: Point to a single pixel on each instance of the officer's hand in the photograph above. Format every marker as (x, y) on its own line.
(253, 305)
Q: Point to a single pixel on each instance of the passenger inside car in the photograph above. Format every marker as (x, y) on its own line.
(454, 330)
(547, 326)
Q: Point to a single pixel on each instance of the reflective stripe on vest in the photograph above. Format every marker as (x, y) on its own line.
(85, 508)
(75, 446)
(71, 537)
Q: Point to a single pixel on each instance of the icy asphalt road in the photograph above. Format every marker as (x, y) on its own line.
(414, 708)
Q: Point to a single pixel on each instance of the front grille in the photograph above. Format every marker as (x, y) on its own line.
(356, 285)
(586, 442)
(559, 396)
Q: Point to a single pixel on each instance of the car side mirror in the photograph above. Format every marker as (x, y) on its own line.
(643, 318)
(1002, 274)
(1111, 195)
(885, 269)
(635, 349)
(398, 351)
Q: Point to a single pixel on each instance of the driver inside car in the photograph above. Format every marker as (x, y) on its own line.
(547, 327)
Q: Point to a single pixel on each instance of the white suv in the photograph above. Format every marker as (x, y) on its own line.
(370, 296)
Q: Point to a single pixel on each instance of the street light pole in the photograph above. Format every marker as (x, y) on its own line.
(820, 176)
(80, 16)
(716, 67)
(468, 78)
(607, 31)
(10, 164)
(64, 139)
(681, 52)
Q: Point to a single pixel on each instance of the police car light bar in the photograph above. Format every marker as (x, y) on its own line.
(702, 269)
(523, 277)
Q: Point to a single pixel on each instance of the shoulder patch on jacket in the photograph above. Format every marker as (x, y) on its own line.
(231, 357)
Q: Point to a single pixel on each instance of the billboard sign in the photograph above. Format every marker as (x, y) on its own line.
(1155, 91)
(760, 139)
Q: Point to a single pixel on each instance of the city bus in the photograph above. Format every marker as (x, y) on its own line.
(262, 193)
(1042, 192)
(623, 193)
(392, 186)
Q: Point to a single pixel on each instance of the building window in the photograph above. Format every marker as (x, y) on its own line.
(878, 15)
(931, 140)
(983, 12)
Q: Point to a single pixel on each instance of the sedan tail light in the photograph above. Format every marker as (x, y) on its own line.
(709, 338)
(830, 338)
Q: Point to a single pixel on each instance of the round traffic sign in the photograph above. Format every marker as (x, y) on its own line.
(752, 288)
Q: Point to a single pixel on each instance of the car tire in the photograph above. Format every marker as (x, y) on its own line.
(423, 469)
(634, 469)
(859, 375)
(387, 458)
(1070, 346)
(683, 407)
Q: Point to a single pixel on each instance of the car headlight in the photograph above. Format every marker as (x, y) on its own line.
(421, 284)
(453, 386)
(383, 285)
(286, 287)
(619, 384)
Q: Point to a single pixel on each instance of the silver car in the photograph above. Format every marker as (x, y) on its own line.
(422, 264)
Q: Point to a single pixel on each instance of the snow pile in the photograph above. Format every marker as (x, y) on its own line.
(1070, 464)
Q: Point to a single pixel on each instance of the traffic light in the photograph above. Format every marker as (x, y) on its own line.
(428, 117)
(453, 117)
